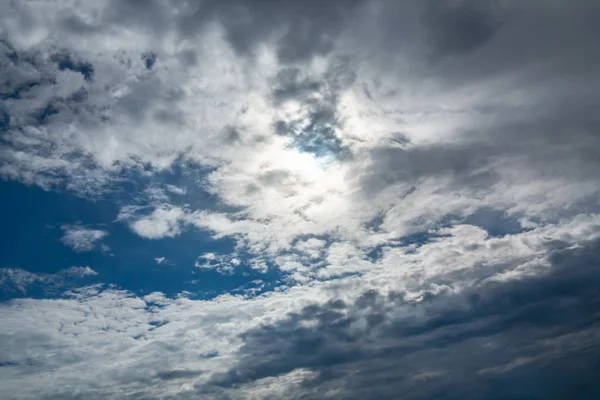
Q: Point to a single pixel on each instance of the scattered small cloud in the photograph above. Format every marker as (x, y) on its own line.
(81, 238)
(221, 263)
(176, 190)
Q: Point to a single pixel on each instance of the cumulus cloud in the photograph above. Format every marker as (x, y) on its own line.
(163, 222)
(80, 238)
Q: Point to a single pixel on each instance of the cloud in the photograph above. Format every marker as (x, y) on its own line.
(331, 114)
(421, 177)
(457, 315)
(81, 239)
(223, 264)
(298, 31)
(461, 26)
(461, 344)
(19, 282)
(96, 328)
(176, 190)
(162, 222)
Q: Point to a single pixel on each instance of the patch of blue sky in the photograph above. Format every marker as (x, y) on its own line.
(31, 229)
(183, 184)
(414, 240)
(497, 223)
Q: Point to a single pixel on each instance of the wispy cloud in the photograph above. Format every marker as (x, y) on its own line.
(81, 238)
(176, 190)
(14, 281)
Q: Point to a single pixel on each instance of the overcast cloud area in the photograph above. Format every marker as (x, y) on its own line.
(296, 199)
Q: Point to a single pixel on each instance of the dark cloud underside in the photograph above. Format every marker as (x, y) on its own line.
(541, 334)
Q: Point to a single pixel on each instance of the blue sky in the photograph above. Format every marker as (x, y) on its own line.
(121, 257)
(244, 199)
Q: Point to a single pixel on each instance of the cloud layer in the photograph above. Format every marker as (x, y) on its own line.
(418, 180)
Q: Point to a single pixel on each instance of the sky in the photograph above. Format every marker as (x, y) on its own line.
(298, 199)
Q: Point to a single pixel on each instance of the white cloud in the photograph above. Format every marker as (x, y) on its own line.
(80, 271)
(80, 238)
(220, 111)
(176, 190)
(313, 247)
(319, 158)
(113, 336)
(162, 222)
(106, 342)
(222, 263)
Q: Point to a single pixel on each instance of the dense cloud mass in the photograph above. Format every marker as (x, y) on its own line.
(539, 333)
(345, 199)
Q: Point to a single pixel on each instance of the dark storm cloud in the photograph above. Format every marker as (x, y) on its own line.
(534, 337)
(308, 27)
(178, 374)
(460, 42)
(458, 27)
(304, 28)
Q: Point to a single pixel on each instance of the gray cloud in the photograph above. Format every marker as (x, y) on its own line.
(555, 139)
(458, 27)
(490, 112)
(301, 29)
(393, 164)
(319, 98)
(306, 28)
(485, 39)
(539, 333)
(460, 42)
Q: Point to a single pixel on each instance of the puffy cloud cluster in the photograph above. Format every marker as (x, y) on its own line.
(458, 315)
